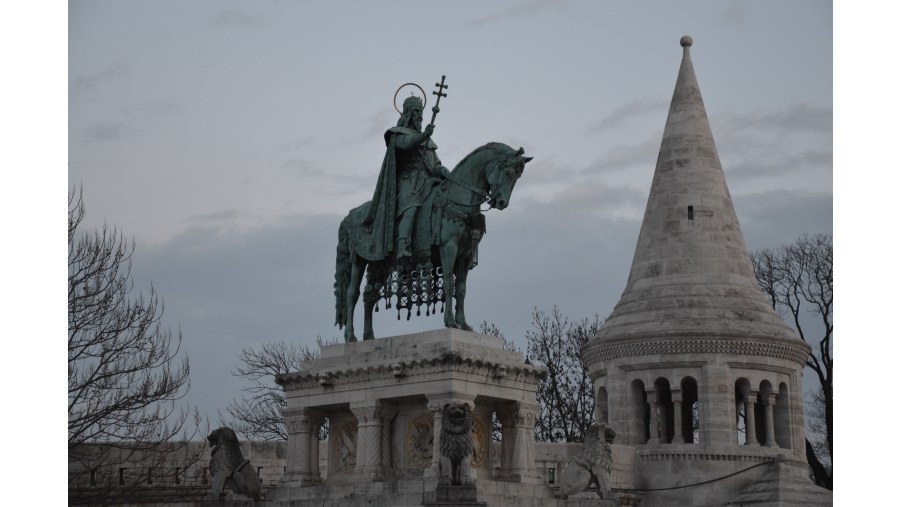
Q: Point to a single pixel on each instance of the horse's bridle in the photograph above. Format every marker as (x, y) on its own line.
(485, 196)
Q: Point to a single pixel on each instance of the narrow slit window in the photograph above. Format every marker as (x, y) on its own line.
(690, 212)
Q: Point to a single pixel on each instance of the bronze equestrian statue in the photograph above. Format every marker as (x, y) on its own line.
(418, 236)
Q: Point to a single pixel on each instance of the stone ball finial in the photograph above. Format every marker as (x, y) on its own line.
(687, 41)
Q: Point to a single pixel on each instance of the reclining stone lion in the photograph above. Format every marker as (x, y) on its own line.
(456, 445)
(592, 465)
(228, 467)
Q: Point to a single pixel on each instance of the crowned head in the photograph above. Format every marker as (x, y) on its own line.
(412, 113)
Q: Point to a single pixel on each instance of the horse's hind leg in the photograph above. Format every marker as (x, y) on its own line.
(448, 258)
(358, 266)
(462, 271)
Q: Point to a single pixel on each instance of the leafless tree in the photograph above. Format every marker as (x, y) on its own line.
(257, 415)
(565, 393)
(125, 371)
(491, 329)
(797, 279)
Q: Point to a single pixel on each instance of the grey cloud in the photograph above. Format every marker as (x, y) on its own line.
(627, 155)
(781, 164)
(515, 11)
(770, 219)
(629, 110)
(298, 143)
(796, 117)
(378, 123)
(231, 289)
(102, 132)
(89, 82)
(336, 183)
(165, 108)
(228, 215)
(234, 18)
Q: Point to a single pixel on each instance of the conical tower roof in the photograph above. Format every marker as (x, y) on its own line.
(691, 276)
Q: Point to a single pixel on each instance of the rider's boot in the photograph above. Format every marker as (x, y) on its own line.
(404, 249)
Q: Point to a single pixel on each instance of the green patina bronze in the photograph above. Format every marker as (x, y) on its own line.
(418, 237)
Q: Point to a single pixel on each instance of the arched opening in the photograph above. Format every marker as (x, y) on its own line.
(783, 418)
(764, 433)
(690, 411)
(741, 391)
(665, 409)
(640, 413)
(601, 406)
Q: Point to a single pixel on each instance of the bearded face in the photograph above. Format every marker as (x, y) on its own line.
(415, 119)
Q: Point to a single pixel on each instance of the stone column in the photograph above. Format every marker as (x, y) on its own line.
(522, 466)
(387, 416)
(297, 421)
(654, 418)
(315, 425)
(368, 440)
(769, 403)
(435, 406)
(506, 415)
(677, 437)
(750, 419)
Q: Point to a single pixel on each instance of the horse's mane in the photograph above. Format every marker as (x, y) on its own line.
(493, 146)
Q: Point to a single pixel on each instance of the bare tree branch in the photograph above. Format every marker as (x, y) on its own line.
(257, 415)
(798, 281)
(565, 393)
(125, 370)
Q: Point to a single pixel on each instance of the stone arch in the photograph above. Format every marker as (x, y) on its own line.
(640, 413)
(690, 411)
(665, 409)
(783, 417)
(741, 391)
(764, 399)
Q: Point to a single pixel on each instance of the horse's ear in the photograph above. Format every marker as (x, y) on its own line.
(527, 159)
(521, 151)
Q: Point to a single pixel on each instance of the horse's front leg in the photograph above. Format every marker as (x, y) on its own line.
(462, 271)
(449, 250)
(356, 274)
(370, 297)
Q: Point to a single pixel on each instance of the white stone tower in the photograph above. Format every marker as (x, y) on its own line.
(693, 368)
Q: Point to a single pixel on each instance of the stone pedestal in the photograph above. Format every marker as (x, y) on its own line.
(383, 400)
(456, 496)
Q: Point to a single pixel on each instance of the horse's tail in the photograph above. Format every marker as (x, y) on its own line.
(342, 274)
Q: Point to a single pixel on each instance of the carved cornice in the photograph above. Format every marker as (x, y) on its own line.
(595, 353)
(701, 456)
(446, 363)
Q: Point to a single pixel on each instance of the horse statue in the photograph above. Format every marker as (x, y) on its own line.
(448, 229)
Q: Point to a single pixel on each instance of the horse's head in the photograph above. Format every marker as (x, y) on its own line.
(502, 178)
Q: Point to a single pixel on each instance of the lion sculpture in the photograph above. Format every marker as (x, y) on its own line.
(456, 445)
(591, 465)
(228, 467)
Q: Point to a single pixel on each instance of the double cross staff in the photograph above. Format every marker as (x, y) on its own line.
(440, 93)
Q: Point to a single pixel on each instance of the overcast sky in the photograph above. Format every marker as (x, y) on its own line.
(230, 138)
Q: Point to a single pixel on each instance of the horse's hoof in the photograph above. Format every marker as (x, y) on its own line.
(451, 325)
(464, 326)
(351, 338)
(368, 336)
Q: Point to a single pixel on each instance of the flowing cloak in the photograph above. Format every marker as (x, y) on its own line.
(373, 225)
